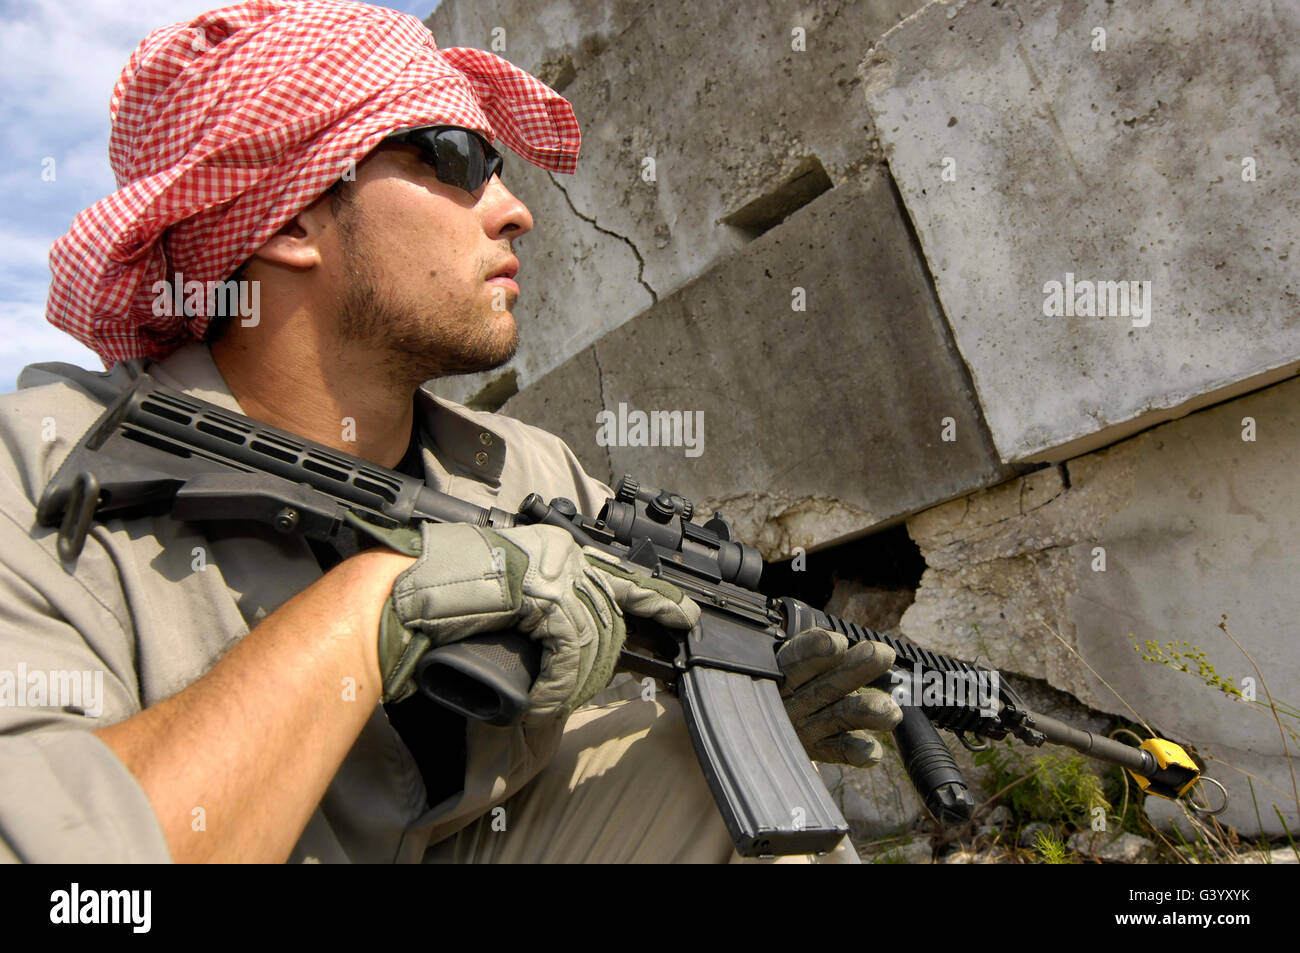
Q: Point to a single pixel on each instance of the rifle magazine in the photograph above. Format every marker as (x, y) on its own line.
(771, 797)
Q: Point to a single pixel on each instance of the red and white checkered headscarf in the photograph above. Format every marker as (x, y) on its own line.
(226, 127)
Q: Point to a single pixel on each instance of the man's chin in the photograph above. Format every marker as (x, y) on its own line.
(478, 364)
(416, 353)
(477, 356)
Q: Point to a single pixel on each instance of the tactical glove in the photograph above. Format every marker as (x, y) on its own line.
(532, 579)
(826, 698)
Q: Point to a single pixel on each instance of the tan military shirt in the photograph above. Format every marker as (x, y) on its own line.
(152, 604)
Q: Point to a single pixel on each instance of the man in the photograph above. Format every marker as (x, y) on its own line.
(337, 158)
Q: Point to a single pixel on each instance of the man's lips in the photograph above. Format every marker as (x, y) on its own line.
(505, 275)
(507, 269)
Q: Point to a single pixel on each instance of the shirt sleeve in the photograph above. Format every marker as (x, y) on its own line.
(66, 668)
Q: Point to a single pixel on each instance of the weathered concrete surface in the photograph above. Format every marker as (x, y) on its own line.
(566, 403)
(1114, 165)
(551, 40)
(877, 802)
(1193, 522)
(731, 115)
(817, 424)
(879, 608)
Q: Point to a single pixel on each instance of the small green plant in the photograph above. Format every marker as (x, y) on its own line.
(1050, 847)
(1184, 657)
(1193, 660)
(1058, 789)
(1214, 842)
(979, 640)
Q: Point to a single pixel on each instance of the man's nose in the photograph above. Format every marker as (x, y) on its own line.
(504, 215)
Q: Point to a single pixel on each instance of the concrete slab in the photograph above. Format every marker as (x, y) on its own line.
(1132, 163)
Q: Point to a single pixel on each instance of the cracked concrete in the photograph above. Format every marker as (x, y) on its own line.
(600, 383)
(1119, 164)
(805, 410)
(591, 220)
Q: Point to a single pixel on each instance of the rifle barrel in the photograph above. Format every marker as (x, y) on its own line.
(1094, 746)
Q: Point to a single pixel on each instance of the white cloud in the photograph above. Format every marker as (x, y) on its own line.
(27, 338)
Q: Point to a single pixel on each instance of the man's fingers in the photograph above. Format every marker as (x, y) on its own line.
(824, 676)
(874, 660)
(807, 655)
(868, 709)
(856, 748)
(643, 596)
(861, 665)
(827, 698)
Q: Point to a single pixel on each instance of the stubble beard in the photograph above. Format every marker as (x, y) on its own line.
(413, 343)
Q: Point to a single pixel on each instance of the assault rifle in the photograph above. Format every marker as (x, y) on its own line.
(157, 450)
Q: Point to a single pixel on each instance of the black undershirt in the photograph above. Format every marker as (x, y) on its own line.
(434, 735)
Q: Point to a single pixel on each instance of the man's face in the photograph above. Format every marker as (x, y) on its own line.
(414, 257)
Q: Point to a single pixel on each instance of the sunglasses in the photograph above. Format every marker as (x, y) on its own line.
(458, 156)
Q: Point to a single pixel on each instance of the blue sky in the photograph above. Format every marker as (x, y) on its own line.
(60, 59)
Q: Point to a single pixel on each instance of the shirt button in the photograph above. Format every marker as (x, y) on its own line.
(481, 458)
(485, 438)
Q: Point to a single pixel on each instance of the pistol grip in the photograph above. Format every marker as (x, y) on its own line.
(486, 678)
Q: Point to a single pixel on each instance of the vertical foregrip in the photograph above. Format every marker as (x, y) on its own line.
(931, 767)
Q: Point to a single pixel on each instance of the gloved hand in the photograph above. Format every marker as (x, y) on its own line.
(826, 698)
(532, 579)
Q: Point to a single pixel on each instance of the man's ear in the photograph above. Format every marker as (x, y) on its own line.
(297, 244)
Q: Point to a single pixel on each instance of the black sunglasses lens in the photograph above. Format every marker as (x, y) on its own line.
(462, 159)
(455, 159)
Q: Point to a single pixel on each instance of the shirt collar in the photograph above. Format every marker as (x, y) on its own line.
(466, 440)
(192, 369)
(463, 440)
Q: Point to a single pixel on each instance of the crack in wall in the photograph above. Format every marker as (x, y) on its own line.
(590, 220)
(976, 531)
(604, 404)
